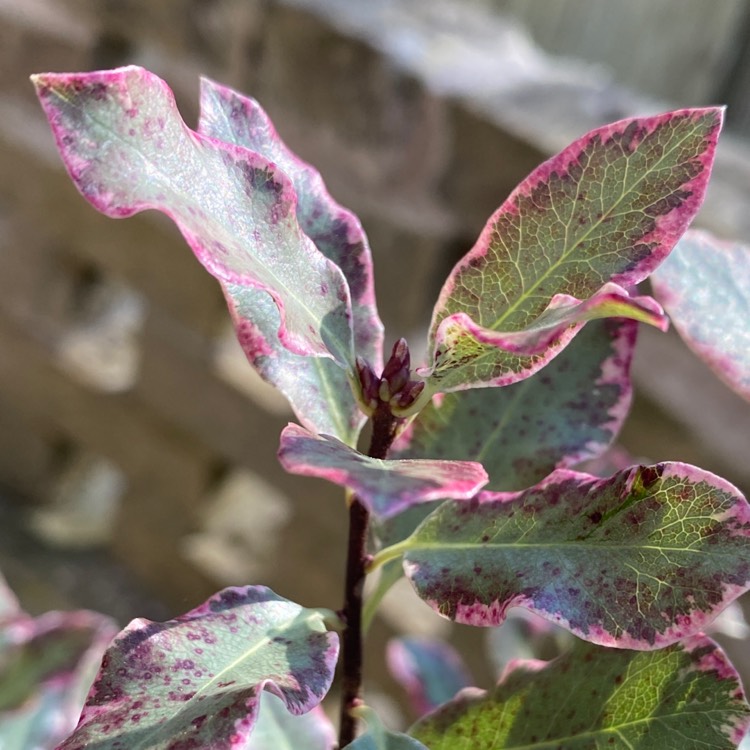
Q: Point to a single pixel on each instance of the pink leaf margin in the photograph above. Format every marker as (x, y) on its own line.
(387, 487)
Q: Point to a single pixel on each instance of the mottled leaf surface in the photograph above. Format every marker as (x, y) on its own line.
(568, 413)
(431, 671)
(684, 697)
(608, 209)
(127, 149)
(386, 487)
(277, 729)
(638, 560)
(47, 665)
(196, 681)
(705, 287)
(377, 737)
(336, 232)
(316, 387)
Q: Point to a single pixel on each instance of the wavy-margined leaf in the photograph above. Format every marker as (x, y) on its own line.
(684, 697)
(336, 232)
(609, 208)
(47, 665)
(638, 560)
(316, 387)
(127, 149)
(705, 287)
(386, 487)
(277, 729)
(196, 681)
(377, 737)
(570, 412)
(430, 670)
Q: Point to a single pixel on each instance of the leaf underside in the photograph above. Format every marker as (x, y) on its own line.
(705, 287)
(196, 681)
(638, 560)
(684, 697)
(386, 487)
(608, 209)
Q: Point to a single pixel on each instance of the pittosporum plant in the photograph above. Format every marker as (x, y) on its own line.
(468, 486)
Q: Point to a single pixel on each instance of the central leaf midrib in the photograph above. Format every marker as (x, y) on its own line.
(566, 253)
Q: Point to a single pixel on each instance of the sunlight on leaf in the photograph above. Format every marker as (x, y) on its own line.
(705, 287)
(608, 209)
(639, 560)
(196, 681)
(127, 149)
(277, 729)
(686, 696)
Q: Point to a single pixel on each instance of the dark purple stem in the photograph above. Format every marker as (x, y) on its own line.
(383, 432)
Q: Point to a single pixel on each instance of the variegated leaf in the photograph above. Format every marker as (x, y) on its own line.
(386, 487)
(127, 149)
(196, 681)
(608, 209)
(684, 697)
(638, 560)
(705, 287)
(569, 413)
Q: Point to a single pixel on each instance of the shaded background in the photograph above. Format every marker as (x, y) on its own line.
(137, 450)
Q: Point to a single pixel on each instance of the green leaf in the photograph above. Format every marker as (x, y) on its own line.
(705, 287)
(569, 413)
(277, 729)
(608, 209)
(377, 737)
(638, 560)
(127, 149)
(196, 681)
(684, 697)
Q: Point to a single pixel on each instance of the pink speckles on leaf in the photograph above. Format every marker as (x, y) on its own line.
(158, 689)
(638, 560)
(594, 697)
(705, 287)
(568, 412)
(606, 210)
(127, 149)
(386, 487)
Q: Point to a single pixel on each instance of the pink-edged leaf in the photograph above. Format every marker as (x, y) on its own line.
(459, 341)
(430, 671)
(386, 487)
(568, 413)
(705, 287)
(233, 118)
(608, 209)
(638, 560)
(196, 681)
(377, 737)
(47, 665)
(316, 387)
(686, 696)
(277, 729)
(127, 149)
